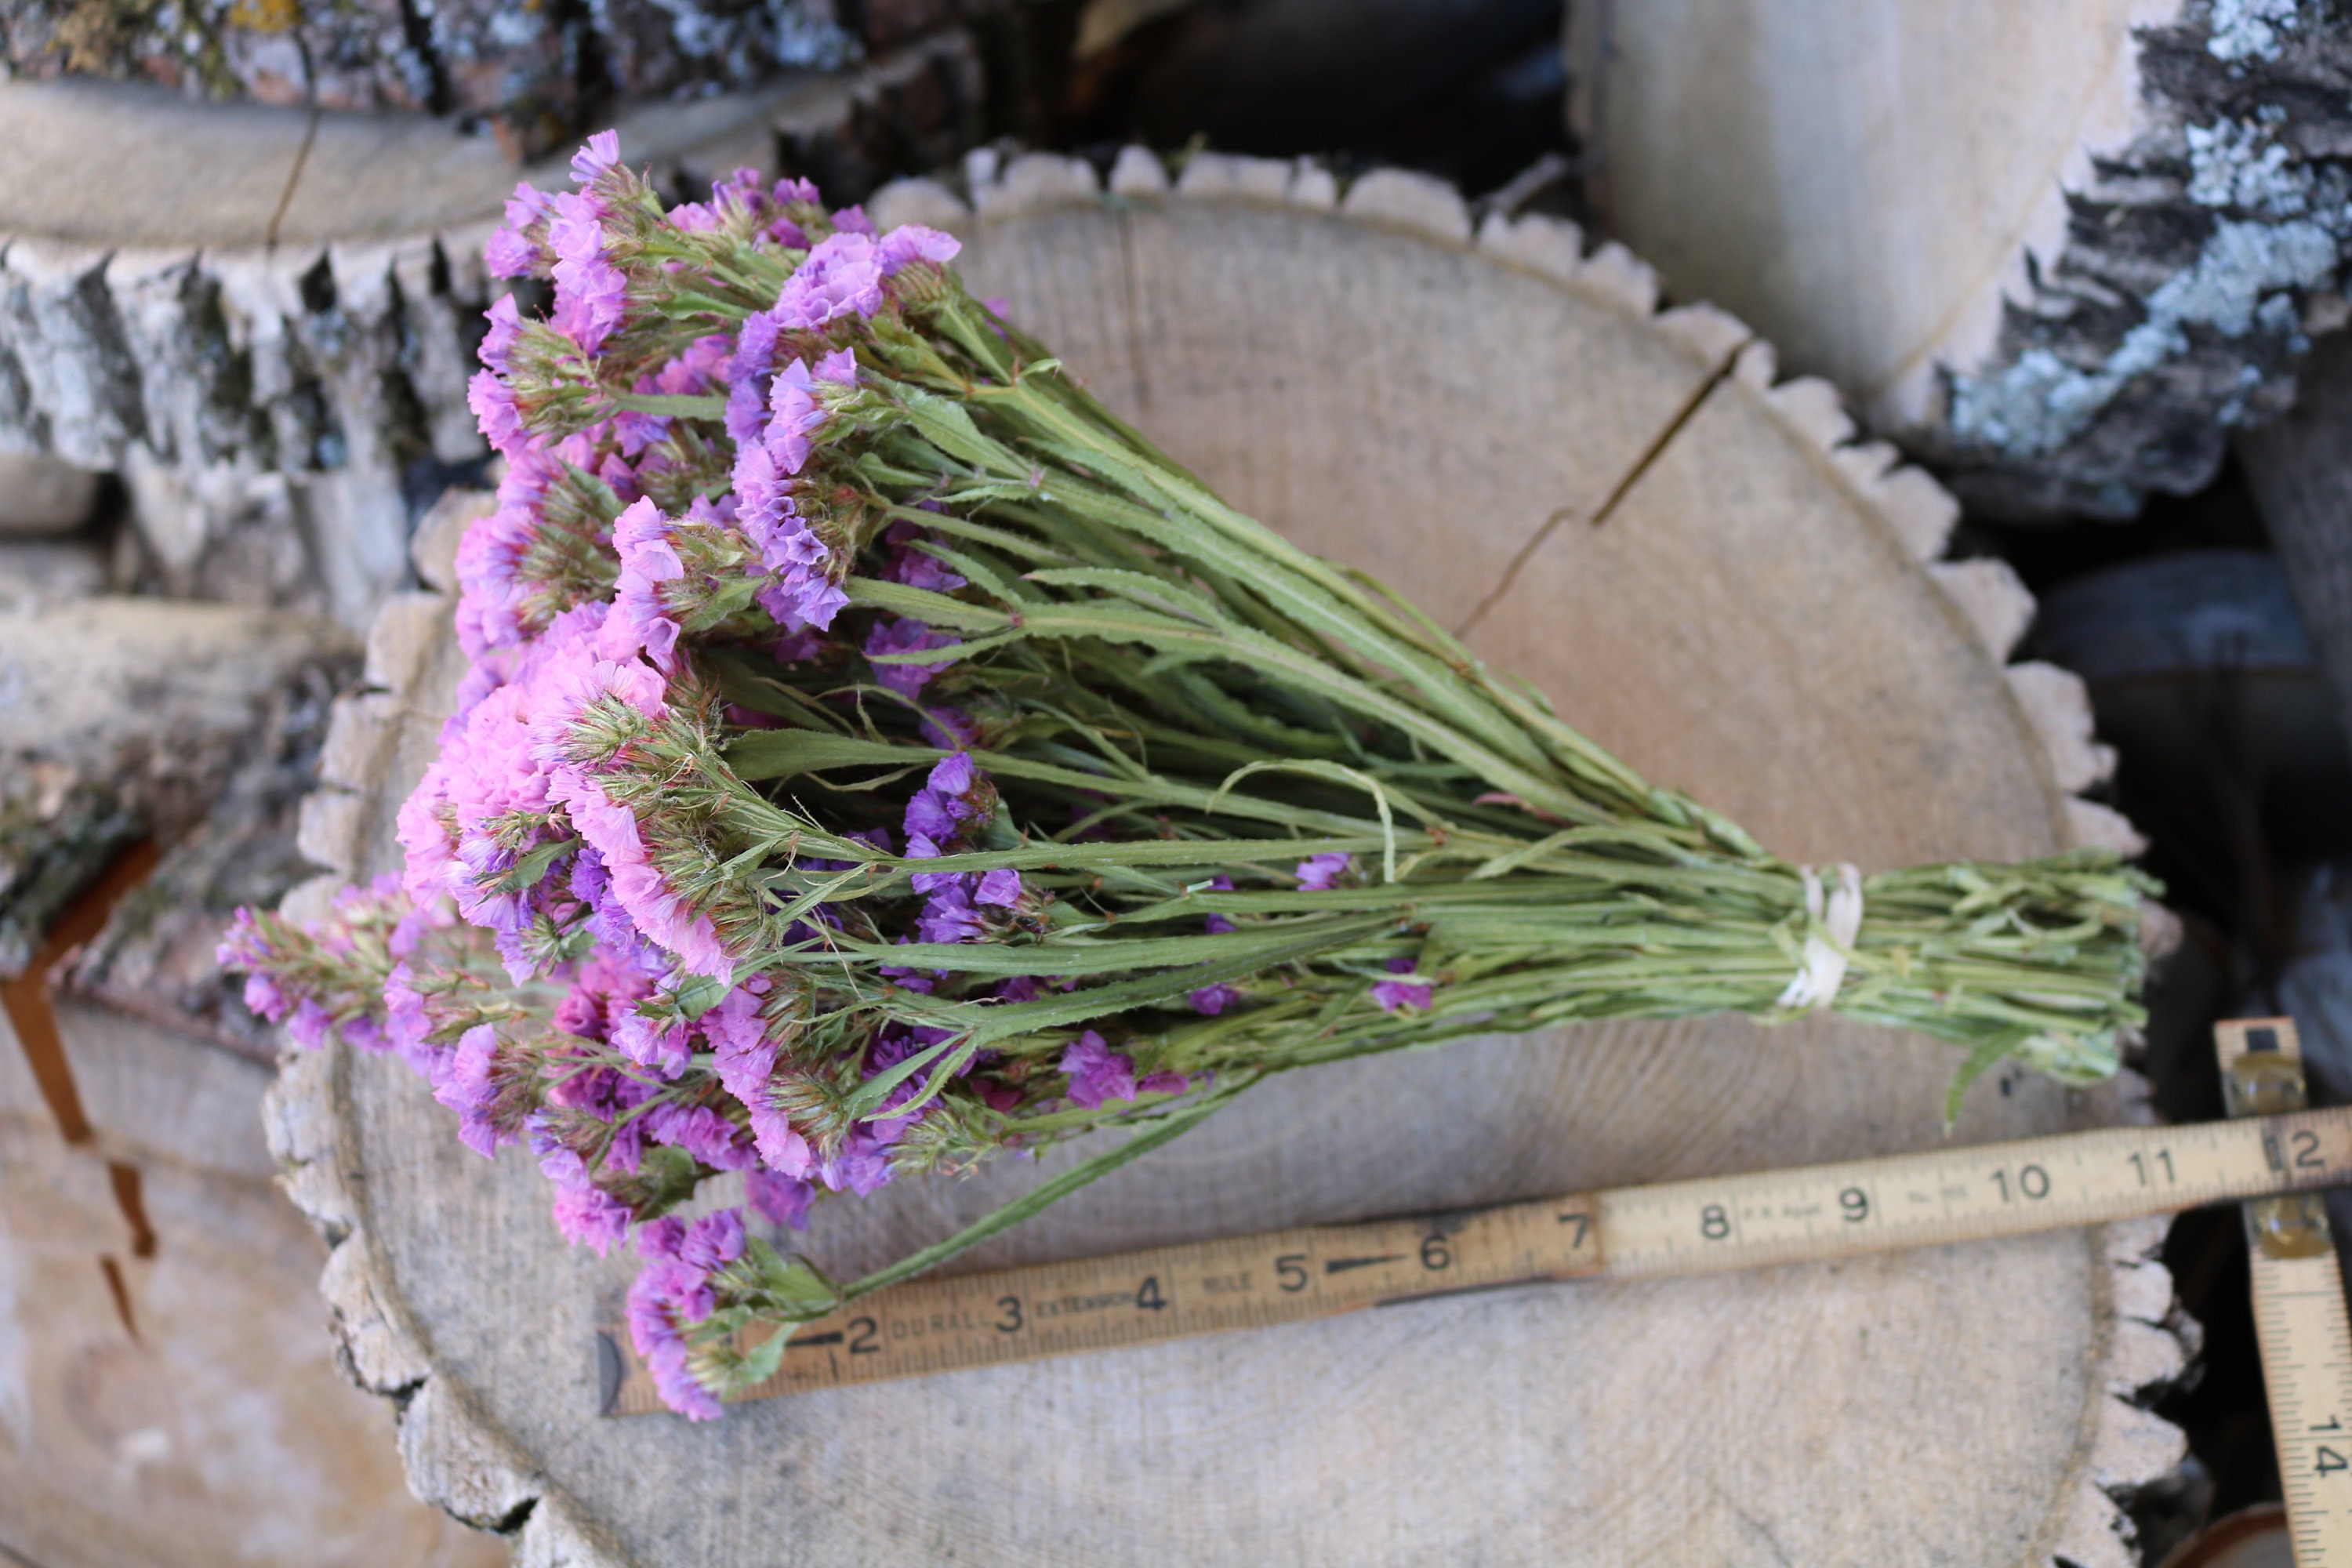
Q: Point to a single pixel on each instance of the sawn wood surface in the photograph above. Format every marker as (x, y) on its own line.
(1698, 572)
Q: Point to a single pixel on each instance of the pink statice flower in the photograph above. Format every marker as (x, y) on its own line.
(1320, 873)
(842, 276)
(912, 242)
(518, 249)
(640, 622)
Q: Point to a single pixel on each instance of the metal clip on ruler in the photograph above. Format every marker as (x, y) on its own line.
(2299, 1312)
(1819, 1212)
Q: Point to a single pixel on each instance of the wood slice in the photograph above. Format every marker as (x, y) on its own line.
(2058, 249)
(1686, 557)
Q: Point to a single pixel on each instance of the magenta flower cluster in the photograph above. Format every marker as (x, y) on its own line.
(579, 625)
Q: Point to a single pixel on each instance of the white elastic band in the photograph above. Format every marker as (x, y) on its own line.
(1823, 968)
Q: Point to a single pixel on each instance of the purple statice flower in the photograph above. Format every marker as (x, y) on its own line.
(599, 156)
(781, 1147)
(713, 1242)
(495, 414)
(1001, 887)
(842, 276)
(640, 622)
(1098, 1073)
(705, 365)
(309, 1023)
(506, 325)
(754, 358)
(512, 252)
(1392, 995)
(948, 915)
(591, 1218)
(950, 728)
(702, 1132)
(862, 1163)
(905, 636)
(1320, 873)
(407, 1022)
(1020, 988)
(1217, 925)
(912, 242)
(494, 763)
(590, 291)
(946, 802)
(585, 1214)
(1163, 1083)
(490, 556)
(263, 997)
(462, 1082)
(779, 1199)
(662, 1049)
(669, 1294)
(1212, 1000)
(853, 220)
(795, 416)
(742, 1054)
(917, 568)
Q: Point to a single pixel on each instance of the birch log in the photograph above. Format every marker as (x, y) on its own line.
(2059, 250)
(1700, 567)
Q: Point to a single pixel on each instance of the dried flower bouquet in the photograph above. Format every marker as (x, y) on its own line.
(877, 756)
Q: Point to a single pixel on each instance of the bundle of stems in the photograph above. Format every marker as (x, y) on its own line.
(879, 755)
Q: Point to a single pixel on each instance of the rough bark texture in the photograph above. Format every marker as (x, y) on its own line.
(1756, 619)
(2300, 469)
(2179, 218)
(269, 328)
(538, 73)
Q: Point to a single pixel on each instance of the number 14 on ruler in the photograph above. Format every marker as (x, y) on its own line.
(2299, 1312)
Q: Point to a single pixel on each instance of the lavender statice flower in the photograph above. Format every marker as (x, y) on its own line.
(1321, 873)
(585, 1214)
(519, 249)
(917, 568)
(779, 1199)
(1212, 1000)
(673, 1292)
(1392, 995)
(463, 1081)
(1097, 1074)
(842, 276)
(1216, 924)
(906, 636)
(640, 622)
(910, 243)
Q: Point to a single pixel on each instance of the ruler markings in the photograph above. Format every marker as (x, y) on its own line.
(2300, 1320)
(1705, 1225)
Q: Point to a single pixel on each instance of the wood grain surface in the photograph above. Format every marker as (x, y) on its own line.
(1751, 617)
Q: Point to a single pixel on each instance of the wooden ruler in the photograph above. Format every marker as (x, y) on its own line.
(1816, 1213)
(2299, 1315)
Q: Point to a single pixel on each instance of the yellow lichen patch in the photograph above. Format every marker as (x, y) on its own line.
(266, 16)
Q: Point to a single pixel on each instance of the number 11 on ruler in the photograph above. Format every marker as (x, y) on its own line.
(2299, 1313)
